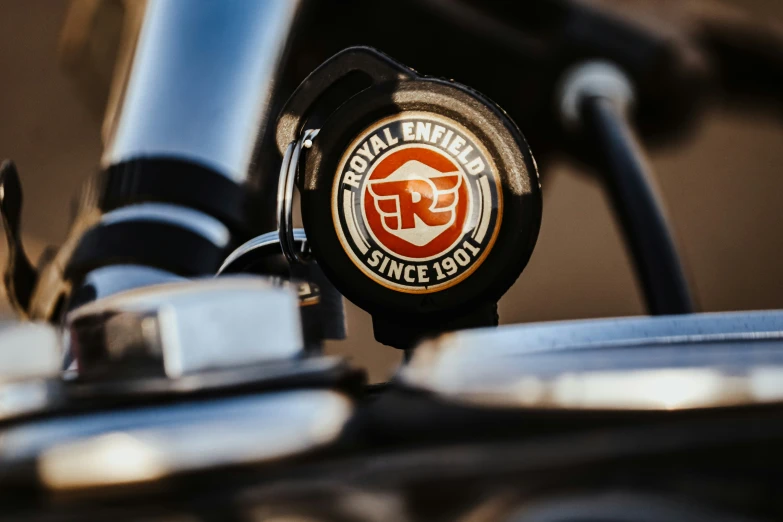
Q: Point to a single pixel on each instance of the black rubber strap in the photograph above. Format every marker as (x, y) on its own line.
(176, 182)
(150, 243)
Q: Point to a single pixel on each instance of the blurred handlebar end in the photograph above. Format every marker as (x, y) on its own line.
(97, 44)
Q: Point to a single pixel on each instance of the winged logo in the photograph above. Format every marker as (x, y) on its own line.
(416, 202)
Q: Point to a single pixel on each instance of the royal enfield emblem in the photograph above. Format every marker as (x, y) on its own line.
(416, 202)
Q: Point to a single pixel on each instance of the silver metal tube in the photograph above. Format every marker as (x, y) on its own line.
(202, 78)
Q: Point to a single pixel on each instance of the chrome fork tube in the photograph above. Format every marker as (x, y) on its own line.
(201, 83)
(180, 165)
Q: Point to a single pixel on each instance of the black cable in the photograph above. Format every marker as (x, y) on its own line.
(638, 207)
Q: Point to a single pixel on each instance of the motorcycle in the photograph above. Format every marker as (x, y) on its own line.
(168, 363)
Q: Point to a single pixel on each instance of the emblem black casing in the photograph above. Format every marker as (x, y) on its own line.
(350, 93)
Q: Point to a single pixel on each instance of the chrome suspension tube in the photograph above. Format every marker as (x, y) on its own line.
(179, 178)
(203, 75)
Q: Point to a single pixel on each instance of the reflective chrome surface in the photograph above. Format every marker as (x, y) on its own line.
(187, 327)
(677, 362)
(30, 362)
(146, 444)
(202, 78)
(547, 337)
(312, 372)
(113, 279)
(322, 307)
(29, 351)
(29, 397)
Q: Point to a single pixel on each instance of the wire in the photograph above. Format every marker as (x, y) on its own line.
(638, 207)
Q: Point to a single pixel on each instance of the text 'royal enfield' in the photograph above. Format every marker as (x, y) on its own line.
(420, 197)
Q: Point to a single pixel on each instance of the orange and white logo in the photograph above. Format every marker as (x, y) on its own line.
(420, 201)
(416, 202)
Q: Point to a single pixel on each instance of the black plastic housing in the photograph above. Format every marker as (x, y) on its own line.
(388, 94)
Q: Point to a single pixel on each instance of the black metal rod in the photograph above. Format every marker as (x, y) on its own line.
(639, 208)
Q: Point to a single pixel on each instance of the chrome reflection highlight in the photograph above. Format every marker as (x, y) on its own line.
(144, 445)
(29, 351)
(201, 82)
(660, 363)
(110, 280)
(188, 327)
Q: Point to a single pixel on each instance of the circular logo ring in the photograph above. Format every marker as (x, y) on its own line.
(417, 202)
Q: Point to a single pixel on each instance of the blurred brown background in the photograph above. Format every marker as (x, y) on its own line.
(723, 188)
